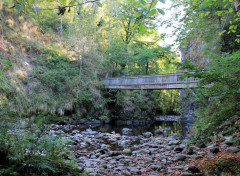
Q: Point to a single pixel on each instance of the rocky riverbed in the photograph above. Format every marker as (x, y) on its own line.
(149, 154)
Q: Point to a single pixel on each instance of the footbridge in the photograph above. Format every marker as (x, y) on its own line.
(162, 81)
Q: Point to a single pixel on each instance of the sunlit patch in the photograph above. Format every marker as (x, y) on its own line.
(21, 74)
(18, 89)
(3, 99)
(10, 22)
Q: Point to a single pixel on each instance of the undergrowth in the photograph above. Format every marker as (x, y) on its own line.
(30, 151)
(223, 164)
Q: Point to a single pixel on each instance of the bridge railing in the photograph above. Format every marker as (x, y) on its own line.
(174, 78)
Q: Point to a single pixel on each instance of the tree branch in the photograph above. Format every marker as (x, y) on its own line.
(86, 2)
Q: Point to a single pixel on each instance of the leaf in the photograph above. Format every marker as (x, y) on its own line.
(137, 14)
(154, 3)
(50, 0)
(63, 1)
(161, 11)
(37, 10)
(143, 2)
(230, 10)
(162, 1)
(30, 1)
(152, 12)
(99, 4)
(11, 8)
(19, 7)
(194, 2)
(142, 28)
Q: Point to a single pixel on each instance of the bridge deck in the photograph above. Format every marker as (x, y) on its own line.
(163, 81)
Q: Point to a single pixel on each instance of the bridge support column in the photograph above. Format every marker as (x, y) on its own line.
(188, 104)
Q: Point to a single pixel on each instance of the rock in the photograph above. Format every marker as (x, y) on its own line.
(175, 142)
(229, 142)
(200, 144)
(97, 154)
(83, 121)
(164, 161)
(178, 149)
(193, 169)
(134, 170)
(127, 152)
(107, 121)
(186, 174)
(196, 156)
(233, 149)
(92, 174)
(122, 143)
(147, 134)
(181, 157)
(95, 122)
(144, 151)
(60, 132)
(89, 132)
(191, 150)
(75, 132)
(126, 173)
(158, 132)
(156, 167)
(115, 153)
(80, 169)
(126, 131)
(214, 149)
(128, 122)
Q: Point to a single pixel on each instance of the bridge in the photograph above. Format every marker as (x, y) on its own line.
(162, 81)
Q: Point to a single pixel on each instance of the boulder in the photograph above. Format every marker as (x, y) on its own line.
(214, 149)
(181, 157)
(127, 152)
(191, 150)
(144, 151)
(147, 134)
(233, 149)
(178, 149)
(175, 142)
(127, 131)
(115, 153)
(156, 167)
(158, 132)
(186, 174)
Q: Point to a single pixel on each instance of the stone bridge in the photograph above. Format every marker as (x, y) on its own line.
(162, 81)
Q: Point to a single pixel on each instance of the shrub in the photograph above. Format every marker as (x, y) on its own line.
(32, 152)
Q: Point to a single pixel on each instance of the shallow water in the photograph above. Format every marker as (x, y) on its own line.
(179, 128)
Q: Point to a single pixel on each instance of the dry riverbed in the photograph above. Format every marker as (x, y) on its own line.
(106, 154)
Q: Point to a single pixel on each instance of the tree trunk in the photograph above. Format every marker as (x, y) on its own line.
(147, 68)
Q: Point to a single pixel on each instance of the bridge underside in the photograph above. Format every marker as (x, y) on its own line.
(152, 86)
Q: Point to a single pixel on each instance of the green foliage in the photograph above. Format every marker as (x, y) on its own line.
(218, 92)
(51, 22)
(211, 21)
